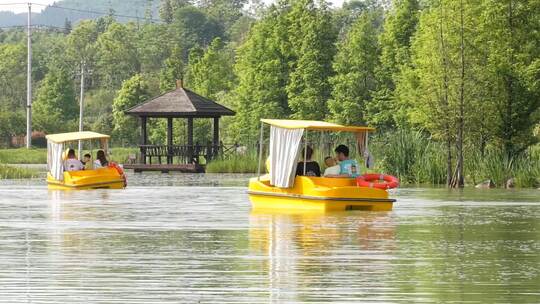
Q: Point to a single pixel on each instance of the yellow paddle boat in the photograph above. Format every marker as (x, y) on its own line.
(282, 189)
(110, 177)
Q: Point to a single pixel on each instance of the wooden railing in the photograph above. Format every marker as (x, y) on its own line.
(184, 154)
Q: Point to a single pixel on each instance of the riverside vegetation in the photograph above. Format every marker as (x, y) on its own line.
(451, 85)
(11, 172)
(39, 156)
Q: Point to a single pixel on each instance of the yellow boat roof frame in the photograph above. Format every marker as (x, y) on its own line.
(76, 136)
(314, 125)
(306, 125)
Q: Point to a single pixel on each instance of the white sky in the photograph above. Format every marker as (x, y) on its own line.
(6, 5)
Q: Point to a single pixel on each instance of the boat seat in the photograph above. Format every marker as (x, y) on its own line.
(333, 181)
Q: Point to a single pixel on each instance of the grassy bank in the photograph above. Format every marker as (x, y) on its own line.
(234, 164)
(39, 156)
(23, 156)
(9, 172)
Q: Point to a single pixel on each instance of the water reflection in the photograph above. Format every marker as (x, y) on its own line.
(190, 244)
(308, 252)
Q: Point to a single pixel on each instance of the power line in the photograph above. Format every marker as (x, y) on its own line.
(83, 11)
(99, 13)
(35, 26)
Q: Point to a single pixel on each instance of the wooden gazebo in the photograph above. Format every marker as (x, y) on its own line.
(178, 103)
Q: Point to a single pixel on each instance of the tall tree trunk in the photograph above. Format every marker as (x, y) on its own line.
(508, 146)
(445, 102)
(460, 182)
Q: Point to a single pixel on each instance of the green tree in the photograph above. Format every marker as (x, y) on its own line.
(55, 108)
(172, 71)
(169, 7)
(225, 11)
(395, 40)
(211, 74)
(312, 37)
(12, 123)
(262, 68)
(117, 55)
(13, 75)
(513, 65)
(191, 27)
(355, 65)
(81, 45)
(81, 41)
(153, 46)
(440, 88)
(133, 92)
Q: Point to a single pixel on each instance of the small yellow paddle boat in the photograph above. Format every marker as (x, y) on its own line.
(282, 189)
(110, 177)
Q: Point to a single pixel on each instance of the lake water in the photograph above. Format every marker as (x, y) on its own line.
(193, 239)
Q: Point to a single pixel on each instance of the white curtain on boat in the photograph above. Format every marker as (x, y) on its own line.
(55, 164)
(284, 152)
(362, 144)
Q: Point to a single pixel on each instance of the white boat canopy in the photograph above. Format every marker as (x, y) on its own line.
(55, 149)
(285, 143)
(76, 136)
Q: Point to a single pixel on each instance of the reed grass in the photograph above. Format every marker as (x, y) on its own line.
(10, 172)
(495, 166)
(417, 159)
(234, 164)
(411, 156)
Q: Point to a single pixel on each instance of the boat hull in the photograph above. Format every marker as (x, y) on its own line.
(103, 178)
(317, 194)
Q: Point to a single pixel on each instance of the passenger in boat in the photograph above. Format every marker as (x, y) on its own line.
(72, 163)
(312, 167)
(101, 161)
(348, 167)
(332, 168)
(87, 161)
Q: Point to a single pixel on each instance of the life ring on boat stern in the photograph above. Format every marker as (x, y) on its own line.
(119, 170)
(379, 181)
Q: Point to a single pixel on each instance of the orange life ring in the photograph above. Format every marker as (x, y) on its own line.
(379, 181)
(120, 171)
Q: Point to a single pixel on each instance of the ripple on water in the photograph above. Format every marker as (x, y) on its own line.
(192, 238)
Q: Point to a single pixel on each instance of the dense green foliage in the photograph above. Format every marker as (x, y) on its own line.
(133, 92)
(54, 107)
(452, 85)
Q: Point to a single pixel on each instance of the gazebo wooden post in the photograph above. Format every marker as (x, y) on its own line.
(215, 143)
(143, 139)
(190, 139)
(169, 140)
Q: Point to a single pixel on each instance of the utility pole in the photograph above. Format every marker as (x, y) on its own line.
(29, 81)
(81, 107)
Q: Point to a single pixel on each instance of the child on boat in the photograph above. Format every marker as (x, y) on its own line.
(87, 161)
(348, 167)
(332, 168)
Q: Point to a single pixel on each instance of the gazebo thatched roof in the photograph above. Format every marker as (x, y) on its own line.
(180, 102)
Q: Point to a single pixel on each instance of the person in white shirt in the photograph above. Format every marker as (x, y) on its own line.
(332, 168)
(72, 163)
